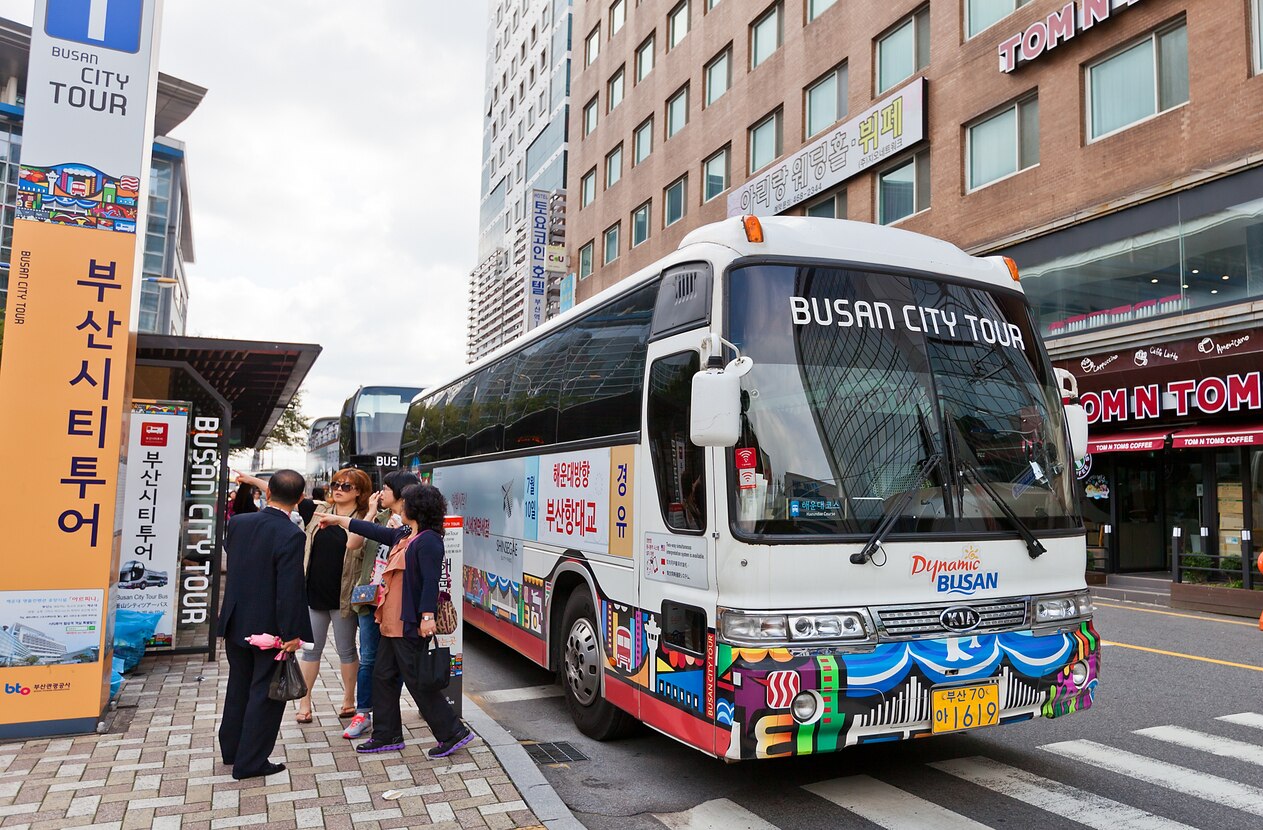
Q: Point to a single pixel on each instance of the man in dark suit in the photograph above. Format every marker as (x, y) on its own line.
(265, 594)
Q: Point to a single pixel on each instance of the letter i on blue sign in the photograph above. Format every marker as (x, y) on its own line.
(113, 24)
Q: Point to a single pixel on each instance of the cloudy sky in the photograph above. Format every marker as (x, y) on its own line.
(334, 174)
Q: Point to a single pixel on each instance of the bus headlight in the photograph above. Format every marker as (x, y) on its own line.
(736, 627)
(1063, 608)
(837, 626)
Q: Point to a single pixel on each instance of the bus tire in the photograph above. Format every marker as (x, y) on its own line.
(580, 671)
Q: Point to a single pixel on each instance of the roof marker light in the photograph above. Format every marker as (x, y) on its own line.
(1012, 269)
(754, 228)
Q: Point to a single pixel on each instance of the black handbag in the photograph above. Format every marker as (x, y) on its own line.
(287, 681)
(434, 667)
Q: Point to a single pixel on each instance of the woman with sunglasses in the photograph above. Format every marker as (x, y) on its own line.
(332, 565)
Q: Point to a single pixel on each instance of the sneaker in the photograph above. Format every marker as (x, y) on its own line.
(446, 748)
(379, 745)
(359, 725)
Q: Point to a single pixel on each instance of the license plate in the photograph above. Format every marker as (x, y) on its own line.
(956, 708)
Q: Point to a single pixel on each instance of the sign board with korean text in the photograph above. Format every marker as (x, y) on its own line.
(537, 261)
(153, 506)
(69, 340)
(890, 126)
(681, 560)
(453, 567)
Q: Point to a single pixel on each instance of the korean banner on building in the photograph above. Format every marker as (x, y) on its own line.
(69, 336)
(153, 504)
(890, 126)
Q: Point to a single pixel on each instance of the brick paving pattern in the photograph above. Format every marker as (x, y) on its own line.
(159, 768)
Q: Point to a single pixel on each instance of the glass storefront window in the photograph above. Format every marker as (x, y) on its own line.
(1191, 263)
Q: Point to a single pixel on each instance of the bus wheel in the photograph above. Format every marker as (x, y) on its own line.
(581, 670)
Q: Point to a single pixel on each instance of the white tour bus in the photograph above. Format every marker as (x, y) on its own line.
(802, 484)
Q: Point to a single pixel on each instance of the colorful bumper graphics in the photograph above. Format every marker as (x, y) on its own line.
(740, 702)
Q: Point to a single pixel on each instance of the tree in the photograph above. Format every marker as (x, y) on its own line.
(293, 427)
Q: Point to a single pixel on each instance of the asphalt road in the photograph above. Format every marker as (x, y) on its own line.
(1187, 768)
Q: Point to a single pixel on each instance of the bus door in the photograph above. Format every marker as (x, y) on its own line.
(677, 571)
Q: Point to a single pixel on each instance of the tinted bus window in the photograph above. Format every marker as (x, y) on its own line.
(456, 420)
(605, 373)
(486, 419)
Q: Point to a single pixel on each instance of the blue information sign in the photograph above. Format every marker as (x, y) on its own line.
(113, 24)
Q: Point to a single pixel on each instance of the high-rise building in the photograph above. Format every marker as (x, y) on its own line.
(164, 290)
(516, 284)
(1108, 146)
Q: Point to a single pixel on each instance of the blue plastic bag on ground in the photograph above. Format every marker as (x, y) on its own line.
(131, 630)
(116, 678)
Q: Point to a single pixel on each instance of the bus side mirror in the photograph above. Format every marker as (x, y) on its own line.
(715, 410)
(1077, 422)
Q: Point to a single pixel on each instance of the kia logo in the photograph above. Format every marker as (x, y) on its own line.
(960, 618)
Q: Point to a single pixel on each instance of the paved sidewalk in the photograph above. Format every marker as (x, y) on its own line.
(158, 767)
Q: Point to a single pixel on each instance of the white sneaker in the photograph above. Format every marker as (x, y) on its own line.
(359, 726)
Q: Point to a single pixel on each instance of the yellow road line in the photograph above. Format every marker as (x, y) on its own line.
(1174, 614)
(1185, 656)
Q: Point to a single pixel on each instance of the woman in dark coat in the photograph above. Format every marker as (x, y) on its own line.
(406, 616)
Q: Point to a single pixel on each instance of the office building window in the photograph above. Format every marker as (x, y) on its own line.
(1142, 80)
(1256, 25)
(677, 111)
(640, 224)
(830, 207)
(1003, 143)
(618, 16)
(644, 59)
(585, 261)
(765, 36)
(614, 166)
(904, 50)
(826, 101)
(981, 14)
(675, 200)
(642, 142)
(710, 4)
(715, 175)
(589, 117)
(718, 76)
(815, 8)
(611, 244)
(677, 24)
(587, 188)
(904, 189)
(614, 90)
(592, 46)
(765, 142)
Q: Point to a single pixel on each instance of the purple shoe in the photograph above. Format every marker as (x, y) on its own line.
(447, 747)
(378, 745)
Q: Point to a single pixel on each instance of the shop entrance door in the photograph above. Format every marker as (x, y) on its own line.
(1185, 500)
(1141, 542)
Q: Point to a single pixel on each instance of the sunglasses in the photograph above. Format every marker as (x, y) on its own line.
(342, 485)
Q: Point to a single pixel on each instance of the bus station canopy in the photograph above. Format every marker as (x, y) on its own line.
(256, 378)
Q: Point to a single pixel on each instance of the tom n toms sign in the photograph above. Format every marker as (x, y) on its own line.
(1211, 395)
(888, 127)
(1059, 26)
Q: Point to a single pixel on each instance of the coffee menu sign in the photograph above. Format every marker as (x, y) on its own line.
(1209, 375)
(1060, 26)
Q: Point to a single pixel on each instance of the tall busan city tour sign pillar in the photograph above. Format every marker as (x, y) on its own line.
(68, 355)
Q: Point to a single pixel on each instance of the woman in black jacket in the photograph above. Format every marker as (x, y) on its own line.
(406, 616)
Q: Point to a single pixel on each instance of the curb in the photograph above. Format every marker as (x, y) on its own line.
(538, 794)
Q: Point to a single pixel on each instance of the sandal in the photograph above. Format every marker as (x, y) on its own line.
(347, 712)
(304, 717)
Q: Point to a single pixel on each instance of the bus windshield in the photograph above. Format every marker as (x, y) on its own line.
(373, 419)
(861, 379)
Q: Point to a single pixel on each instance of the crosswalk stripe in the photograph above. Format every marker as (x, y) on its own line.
(1215, 745)
(1180, 779)
(889, 806)
(1251, 719)
(720, 814)
(1086, 808)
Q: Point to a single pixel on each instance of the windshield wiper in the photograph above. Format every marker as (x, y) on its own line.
(1033, 546)
(892, 516)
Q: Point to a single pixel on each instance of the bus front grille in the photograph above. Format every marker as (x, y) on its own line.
(922, 621)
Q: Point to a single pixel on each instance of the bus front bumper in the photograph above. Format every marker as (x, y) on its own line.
(782, 702)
